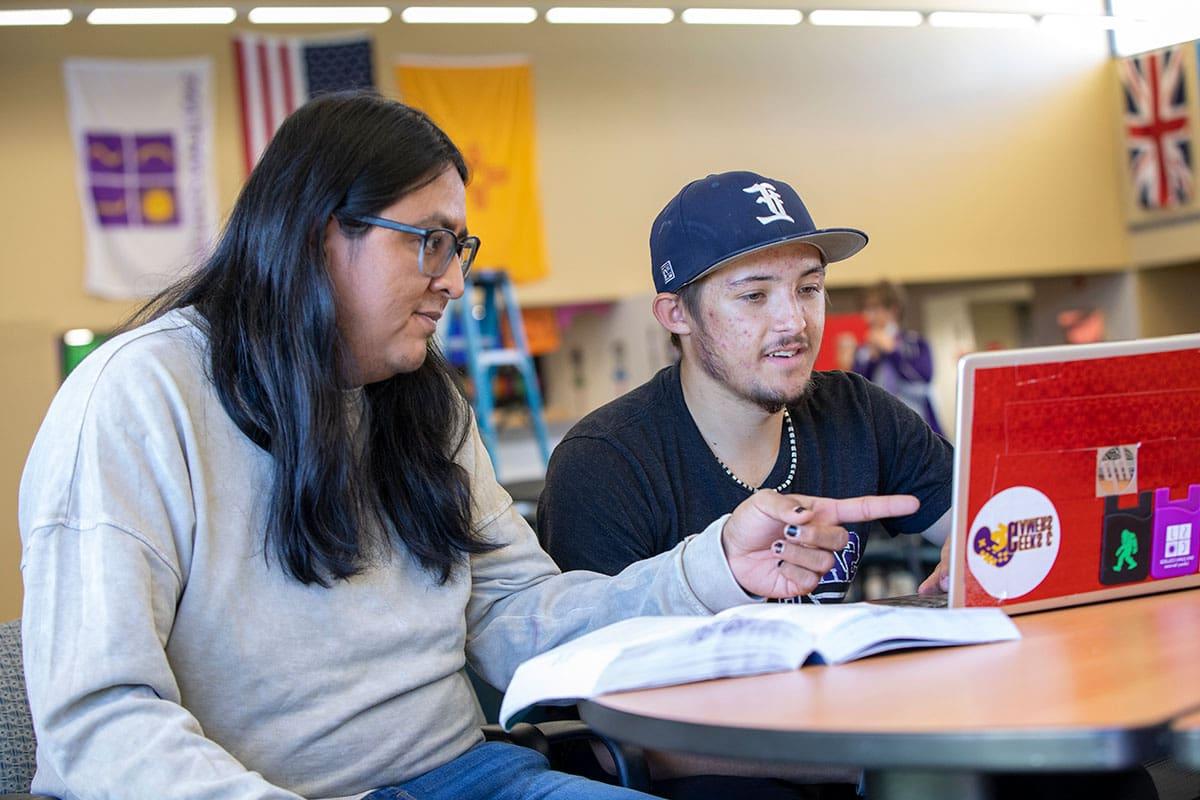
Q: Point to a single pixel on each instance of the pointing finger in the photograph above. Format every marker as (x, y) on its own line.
(781, 507)
(859, 509)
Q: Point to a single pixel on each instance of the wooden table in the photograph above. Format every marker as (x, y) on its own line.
(1087, 688)
(1186, 735)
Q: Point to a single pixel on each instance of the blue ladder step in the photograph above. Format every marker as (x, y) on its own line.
(502, 358)
(480, 335)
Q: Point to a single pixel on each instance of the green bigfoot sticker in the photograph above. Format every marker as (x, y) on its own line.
(1126, 551)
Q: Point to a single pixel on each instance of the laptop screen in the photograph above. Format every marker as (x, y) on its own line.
(1077, 474)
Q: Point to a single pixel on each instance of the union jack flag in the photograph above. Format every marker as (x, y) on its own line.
(1157, 128)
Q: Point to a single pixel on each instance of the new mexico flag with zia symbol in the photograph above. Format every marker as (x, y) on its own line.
(486, 106)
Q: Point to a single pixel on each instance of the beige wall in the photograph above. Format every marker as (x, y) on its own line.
(960, 159)
(962, 153)
(1168, 299)
(1158, 245)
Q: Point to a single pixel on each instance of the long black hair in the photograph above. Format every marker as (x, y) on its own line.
(349, 476)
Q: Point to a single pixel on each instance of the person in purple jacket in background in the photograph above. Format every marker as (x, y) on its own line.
(896, 359)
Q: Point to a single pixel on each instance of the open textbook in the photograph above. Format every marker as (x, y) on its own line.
(643, 652)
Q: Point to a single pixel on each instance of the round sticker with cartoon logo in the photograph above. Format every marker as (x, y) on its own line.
(1013, 542)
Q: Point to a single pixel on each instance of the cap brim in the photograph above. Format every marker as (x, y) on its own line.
(835, 244)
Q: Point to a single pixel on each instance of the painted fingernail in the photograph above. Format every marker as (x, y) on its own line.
(777, 547)
(792, 530)
(779, 564)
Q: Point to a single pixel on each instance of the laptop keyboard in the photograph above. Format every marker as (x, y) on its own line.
(914, 600)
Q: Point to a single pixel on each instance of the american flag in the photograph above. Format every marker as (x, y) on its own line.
(1157, 128)
(276, 75)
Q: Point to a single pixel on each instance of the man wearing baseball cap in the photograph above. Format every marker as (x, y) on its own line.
(739, 266)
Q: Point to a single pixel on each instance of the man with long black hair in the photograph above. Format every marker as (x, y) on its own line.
(261, 537)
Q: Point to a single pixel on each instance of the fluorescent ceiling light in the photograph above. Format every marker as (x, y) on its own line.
(209, 15)
(1150, 24)
(1166, 11)
(1080, 22)
(741, 16)
(881, 19)
(974, 19)
(575, 15)
(304, 15)
(469, 14)
(1139, 37)
(35, 16)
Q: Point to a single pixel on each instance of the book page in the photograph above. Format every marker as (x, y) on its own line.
(644, 652)
(883, 628)
(818, 620)
(570, 671)
(725, 647)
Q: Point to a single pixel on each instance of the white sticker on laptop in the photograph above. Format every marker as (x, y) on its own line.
(1014, 542)
(1116, 470)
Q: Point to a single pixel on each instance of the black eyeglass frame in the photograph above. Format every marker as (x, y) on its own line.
(469, 243)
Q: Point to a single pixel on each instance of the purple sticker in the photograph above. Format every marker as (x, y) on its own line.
(111, 205)
(159, 205)
(155, 154)
(106, 154)
(1176, 548)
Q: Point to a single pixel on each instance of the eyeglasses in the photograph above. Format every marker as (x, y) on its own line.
(438, 246)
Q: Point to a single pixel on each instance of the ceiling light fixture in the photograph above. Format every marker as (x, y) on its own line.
(741, 16)
(321, 15)
(35, 16)
(875, 19)
(577, 15)
(1082, 22)
(481, 15)
(208, 15)
(976, 19)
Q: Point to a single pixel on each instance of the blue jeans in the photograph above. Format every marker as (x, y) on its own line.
(501, 771)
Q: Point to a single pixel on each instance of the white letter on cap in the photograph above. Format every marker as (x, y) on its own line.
(773, 201)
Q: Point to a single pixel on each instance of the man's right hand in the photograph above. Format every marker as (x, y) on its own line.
(781, 545)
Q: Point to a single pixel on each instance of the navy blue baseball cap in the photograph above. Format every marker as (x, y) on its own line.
(722, 217)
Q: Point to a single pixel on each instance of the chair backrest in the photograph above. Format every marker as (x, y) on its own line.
(17, 743)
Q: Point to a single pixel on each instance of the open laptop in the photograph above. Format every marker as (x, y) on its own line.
(1076, 474)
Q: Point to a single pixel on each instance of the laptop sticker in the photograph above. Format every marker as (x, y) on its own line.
(1125, 549)
(1116, 470)
(1176, 534)
(1014, 542)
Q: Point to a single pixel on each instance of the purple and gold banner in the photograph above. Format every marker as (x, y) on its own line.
(143, 132)
(133, 179)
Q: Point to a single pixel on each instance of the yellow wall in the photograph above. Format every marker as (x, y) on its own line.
(962, 153)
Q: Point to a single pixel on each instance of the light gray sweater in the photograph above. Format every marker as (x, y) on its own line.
(167, 657)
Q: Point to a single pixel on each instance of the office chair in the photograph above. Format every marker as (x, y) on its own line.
(18, 745)
(17, 742)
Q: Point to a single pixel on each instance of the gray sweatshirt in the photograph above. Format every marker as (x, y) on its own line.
(166, 656)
